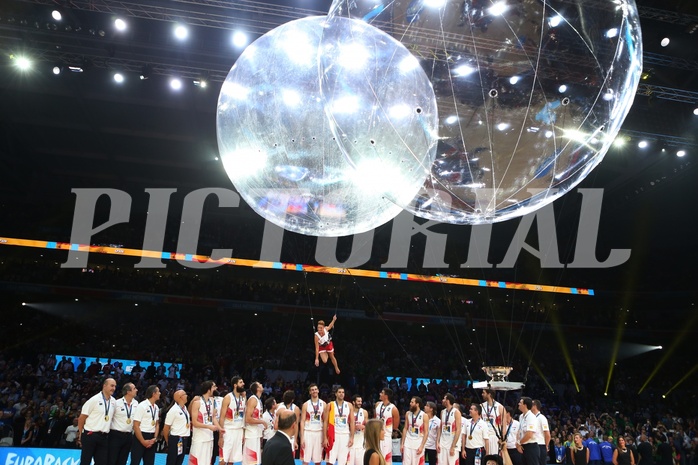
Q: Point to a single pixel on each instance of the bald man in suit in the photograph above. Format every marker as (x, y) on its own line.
(279, 449)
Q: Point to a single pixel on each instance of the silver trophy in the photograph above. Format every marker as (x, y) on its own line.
(499, 379)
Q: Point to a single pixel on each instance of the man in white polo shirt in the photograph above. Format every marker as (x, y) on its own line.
(93, 425)
(146, 426)
(542, 433)
(121, 433)
(476, 437)
(177, 429)
(528, 426)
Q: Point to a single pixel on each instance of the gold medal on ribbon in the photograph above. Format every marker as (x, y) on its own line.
(128, 421)
(152, 422)
(470, 437)
(106, 417)
(187, 425)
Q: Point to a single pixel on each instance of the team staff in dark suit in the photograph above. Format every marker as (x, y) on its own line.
(279, 449)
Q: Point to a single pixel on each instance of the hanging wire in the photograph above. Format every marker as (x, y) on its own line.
(288, 338)
(380, 316)
(310, 303)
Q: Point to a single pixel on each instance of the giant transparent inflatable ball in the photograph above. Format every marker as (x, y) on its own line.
(278, 133)
(530, 94)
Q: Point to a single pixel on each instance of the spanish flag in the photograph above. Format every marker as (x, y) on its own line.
(330, 427)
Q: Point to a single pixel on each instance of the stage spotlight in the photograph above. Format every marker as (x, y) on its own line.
(146, 71)
(55, 14)
(619, 142)
(695, 111)
(611, 33)
(181, 32)
(120, 24)
(56, 70)
(681, 153)
(555, 21)
(23, 63)
(24, 304)
(240, 39)
(643, 144)
(201, 83)
(175, 84)
(660, 347)
(118, 78)
(665, 41)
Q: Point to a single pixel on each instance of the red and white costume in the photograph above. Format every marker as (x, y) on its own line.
(324, 342)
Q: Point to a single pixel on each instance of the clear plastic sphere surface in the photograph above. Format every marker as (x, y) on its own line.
(530, 94)
(278, 132)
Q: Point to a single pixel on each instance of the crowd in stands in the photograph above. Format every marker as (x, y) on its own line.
(40, 395)
(296, 289)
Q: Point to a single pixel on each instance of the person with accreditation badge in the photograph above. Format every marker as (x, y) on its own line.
(528, 426)
(94, 423)
(360, 419)
(202, 415)
(477, 437)
(448, 441)
(312, 418)
(254, 426)
(338, 430)
(415, 434)
(121, 433)
(177, 429)
(146, 427)
(232, 422)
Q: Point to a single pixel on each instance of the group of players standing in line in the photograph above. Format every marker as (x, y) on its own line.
(111, 429)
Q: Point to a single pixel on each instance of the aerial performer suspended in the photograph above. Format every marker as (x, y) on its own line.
(323, 344)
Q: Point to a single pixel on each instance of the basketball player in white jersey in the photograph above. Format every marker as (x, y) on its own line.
(203, 425)
(343, 439)
(415, 433)
(387, 412)
(254, 426)
(493, 415)
(448, 438)
(233, 422)
(288, 403)
(360, 419)
(312, 419)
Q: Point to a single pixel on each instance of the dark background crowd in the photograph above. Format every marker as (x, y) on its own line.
(41, 395)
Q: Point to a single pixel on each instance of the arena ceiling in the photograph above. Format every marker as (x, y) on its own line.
(81, 129)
